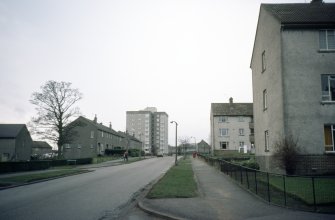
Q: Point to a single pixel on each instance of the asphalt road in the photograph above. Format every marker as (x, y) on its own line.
(94, 196)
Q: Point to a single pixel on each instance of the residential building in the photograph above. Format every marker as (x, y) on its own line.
(40, 148)
(203, 147)
(151, 127)
(92, 138)
(231, 126)
(15, 142)
(293, 77)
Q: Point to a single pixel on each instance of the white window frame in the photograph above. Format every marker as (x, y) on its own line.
(327, 95)
(332, 130)
(226, 144)
(324, 38)
(265, 99)
(223, 132)
(266, 140)
(241, 131)
(92, 134)
(223, 119)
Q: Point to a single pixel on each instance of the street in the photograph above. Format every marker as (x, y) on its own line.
(95, 195)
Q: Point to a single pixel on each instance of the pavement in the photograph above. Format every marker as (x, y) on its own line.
(221, 198)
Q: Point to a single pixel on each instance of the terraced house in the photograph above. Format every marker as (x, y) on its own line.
(92, 138)
(293, 76)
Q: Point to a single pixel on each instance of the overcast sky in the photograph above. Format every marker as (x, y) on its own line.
(125, 55)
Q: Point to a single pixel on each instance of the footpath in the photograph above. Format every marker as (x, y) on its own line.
(221, 198)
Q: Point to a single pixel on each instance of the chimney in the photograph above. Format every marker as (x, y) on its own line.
(110, 125)
(231, 100)
(95, 119)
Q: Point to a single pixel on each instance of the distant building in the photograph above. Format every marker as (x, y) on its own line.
(203, 147)
(151, 127)
(293, 77)
(231, 126)
(15, 142)
(41, 147)
(92, 138)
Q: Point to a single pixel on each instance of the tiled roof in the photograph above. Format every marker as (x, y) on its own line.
(99, 126)
(311, 13)
(10, 130)
(232, 109)
(41, 144)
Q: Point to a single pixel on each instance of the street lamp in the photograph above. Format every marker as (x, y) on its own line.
(176, 141)
(195, 144)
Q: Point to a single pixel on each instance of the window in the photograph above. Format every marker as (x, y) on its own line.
(241, 143)
(224, 145)
(265, 99)
(67, 146)
(263, 62)
(266, 138)
(329, 131)
(241, 131)
(327, 39)
(102, 134)
(241, 119)
(328, 87)
(223, 119)
(223, 131)
(92, 134)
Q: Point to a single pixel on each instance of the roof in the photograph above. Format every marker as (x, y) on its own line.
(311, 13)
(10, 130)
(41, 144)
(231, 109)
(99, 126)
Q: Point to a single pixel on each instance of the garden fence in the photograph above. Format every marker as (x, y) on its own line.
(309, 193)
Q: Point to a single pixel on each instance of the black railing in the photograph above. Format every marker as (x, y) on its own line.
(309, 193)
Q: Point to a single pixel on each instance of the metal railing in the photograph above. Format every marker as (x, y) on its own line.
(308, 193)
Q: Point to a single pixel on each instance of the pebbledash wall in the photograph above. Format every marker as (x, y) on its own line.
(287, 66)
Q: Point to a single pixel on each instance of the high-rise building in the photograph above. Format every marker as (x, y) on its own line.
(151, 127)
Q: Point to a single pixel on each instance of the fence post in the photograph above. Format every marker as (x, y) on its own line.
(241, 174)
(284, 189)
(314, 199)
(246, 173)
(256, 182)
(267, 176)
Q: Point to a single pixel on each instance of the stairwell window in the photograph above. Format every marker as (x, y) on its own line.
(263, 62)
(266, 140)
(265, 99)
(327, 40)
(223, 131)
(328, 87)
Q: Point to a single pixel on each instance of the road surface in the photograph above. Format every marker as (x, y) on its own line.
(93, 196)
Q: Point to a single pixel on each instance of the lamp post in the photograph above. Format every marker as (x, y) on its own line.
(176, 142)
(195, 144)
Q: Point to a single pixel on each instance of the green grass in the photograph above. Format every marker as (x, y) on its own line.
(302, 188)
(178, 182)
(16, 180)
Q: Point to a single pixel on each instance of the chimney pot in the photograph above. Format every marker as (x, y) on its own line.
(231, 100)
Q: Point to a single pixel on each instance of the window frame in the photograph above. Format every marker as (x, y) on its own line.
(326, 40)
(330, 98)
(226, 144)
(266, 141)
(223, 134)
(241, 131)
(263, 61)
(332, 132)
(265, 99)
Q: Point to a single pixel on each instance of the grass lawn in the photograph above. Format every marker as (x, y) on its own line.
(302, 188)
(15, 180)
(178, 182)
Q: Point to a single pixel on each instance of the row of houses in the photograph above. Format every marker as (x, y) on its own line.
(92, 138)
(89, 139)
(293, 78)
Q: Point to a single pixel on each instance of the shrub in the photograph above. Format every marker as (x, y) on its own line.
(251, 164)
(286, 152)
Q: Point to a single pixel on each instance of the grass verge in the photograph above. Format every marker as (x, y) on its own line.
(21, 179)
(178, 182)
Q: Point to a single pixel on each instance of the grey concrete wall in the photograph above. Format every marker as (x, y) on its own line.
(303, 64)
(7, 146)
(23, 145)
(267, 39)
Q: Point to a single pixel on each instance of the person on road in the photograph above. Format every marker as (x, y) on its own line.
(125, 156)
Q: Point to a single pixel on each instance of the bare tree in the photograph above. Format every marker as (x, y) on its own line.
(55, 108)
(184, 142)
